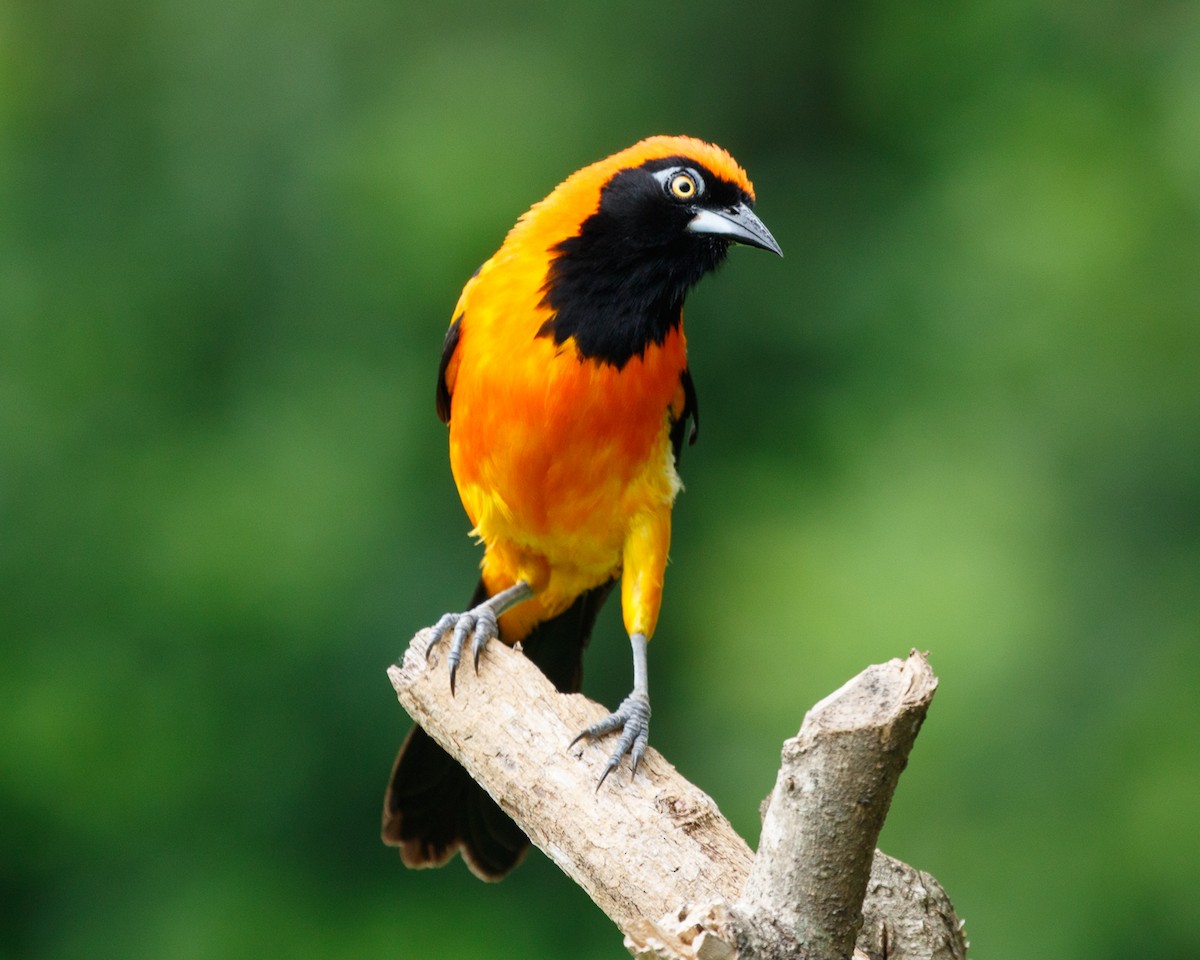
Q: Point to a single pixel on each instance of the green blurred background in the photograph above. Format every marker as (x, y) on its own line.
(963, 414)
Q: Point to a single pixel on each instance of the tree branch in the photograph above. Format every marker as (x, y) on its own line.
(830, 799)
(655, 853)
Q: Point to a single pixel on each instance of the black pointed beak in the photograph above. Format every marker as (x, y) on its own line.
(737, 223)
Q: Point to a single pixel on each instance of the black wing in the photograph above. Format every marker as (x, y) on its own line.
(443, 391)
(691, 411)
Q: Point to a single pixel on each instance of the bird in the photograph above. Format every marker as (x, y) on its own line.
(565, 386)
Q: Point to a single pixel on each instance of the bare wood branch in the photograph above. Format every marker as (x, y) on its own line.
(634, 846)
(832, 794)
(654, 853)
(908, 916)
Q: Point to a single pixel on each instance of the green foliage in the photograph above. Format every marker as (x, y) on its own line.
(963, 414)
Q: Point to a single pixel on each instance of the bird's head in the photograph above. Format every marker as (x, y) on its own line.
(661, 192)
(625, 239)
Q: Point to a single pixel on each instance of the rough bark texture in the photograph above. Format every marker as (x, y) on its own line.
(633, 845)
(908, 916)
(655, 853)
(830, 800)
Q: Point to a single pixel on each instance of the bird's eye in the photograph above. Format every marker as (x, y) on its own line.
(682, 186)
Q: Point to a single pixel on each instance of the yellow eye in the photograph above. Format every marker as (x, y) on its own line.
(682, 186)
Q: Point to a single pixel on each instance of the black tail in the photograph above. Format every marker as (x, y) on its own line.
(433, 808)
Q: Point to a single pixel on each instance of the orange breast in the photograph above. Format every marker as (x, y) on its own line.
(555, 456)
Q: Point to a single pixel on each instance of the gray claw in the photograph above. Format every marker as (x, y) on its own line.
(632, 718)
(440, 629)
(462, 629)
(487, 627)
(480, 624)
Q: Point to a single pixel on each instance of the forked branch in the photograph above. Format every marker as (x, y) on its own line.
(655, 853)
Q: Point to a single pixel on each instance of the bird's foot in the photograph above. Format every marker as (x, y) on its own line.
(632, 718)
(479, 623)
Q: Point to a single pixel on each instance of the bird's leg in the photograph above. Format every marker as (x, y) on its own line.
(632, 717)
(481, 623)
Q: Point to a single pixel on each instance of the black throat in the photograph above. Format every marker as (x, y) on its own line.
(618, 286)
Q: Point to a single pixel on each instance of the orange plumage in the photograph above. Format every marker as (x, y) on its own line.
(564, 382)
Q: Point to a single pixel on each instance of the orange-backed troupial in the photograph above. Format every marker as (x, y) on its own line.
(564, 380)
